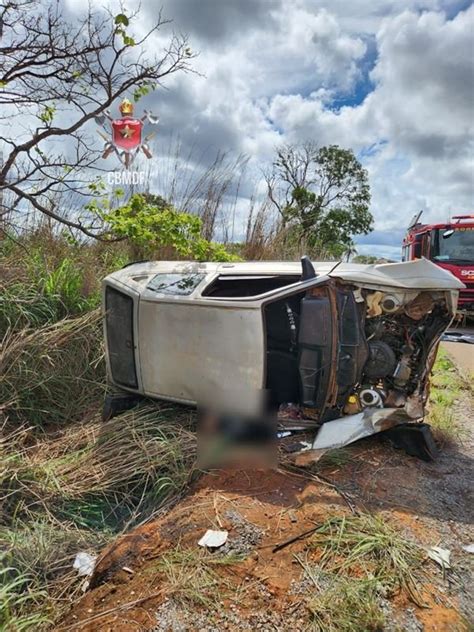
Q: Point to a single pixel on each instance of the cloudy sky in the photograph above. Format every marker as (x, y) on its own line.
(391, 79)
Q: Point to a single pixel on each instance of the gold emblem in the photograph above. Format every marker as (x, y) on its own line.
(126, 107)
(127, 132)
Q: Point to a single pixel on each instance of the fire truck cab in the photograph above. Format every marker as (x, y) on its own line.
(449, 245)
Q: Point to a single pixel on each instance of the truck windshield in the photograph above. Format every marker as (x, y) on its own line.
(458, 248)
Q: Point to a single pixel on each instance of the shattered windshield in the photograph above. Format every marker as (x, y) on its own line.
(177, 284)
(458, 248)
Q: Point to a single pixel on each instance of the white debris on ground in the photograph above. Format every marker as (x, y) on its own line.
(213, 539)
(84, 563)
(440, 556)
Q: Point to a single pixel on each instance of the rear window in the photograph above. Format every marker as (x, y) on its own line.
(176, 284)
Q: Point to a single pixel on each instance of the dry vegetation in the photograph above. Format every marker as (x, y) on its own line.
(70, 482)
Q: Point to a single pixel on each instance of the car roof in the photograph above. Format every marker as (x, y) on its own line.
(243, 267)
(418, 274)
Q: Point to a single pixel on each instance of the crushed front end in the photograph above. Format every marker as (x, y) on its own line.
(387, 341)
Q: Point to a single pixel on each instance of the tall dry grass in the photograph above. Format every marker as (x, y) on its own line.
(45, 276)
(78, 488)
(52, 374)
(267, 239)
(204, 183)
(68, 481)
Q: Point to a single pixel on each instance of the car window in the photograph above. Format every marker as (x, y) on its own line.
(247, 285)
(177, 284)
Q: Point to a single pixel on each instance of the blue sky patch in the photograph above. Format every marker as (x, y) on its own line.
(456, 6)
(365, 85)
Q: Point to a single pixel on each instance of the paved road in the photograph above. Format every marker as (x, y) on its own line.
(462, 355)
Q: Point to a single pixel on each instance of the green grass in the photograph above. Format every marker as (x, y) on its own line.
(63, 286)
(95, 512)
(368, 547)
(44, 549)
(18, 607)
(38, 553)
(347, 605)
(47, 277)
(339, 603)
(54, 373)
(339, 457)
(68, 481)
(82, 475)
(447, 387)
(445, 377)
(79, 490)
(190, 576)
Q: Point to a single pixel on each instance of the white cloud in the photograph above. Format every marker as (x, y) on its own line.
(423, 76)
(424, 96)
(420, 112)
(273, 72)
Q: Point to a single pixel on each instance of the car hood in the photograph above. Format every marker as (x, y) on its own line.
(419, 274)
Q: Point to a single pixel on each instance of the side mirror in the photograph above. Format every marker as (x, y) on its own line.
(418, 247)
(448, 233)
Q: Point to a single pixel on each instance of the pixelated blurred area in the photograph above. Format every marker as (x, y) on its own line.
(232, 440)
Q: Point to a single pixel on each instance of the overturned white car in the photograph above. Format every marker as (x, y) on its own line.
(344, 348)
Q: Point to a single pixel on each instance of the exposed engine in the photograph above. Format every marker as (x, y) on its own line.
(400, 330)
(382, 360)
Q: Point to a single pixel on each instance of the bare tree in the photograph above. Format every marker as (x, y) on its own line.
(56, 75)
(322, 195)
(289, 172)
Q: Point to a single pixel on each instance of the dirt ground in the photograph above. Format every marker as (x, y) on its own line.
(263, 589)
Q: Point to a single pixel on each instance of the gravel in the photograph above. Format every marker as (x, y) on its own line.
(244, 536)
(174, 617)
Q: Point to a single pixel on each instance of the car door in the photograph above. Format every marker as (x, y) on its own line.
(312, 362)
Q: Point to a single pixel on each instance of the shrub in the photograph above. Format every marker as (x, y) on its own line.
(152, 225)
(48, 276)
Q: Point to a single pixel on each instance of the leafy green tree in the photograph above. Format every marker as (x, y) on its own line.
(322, 195)
(150, 223)
(367, 259)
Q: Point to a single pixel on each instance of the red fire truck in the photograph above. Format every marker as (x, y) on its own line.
(451, 246)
